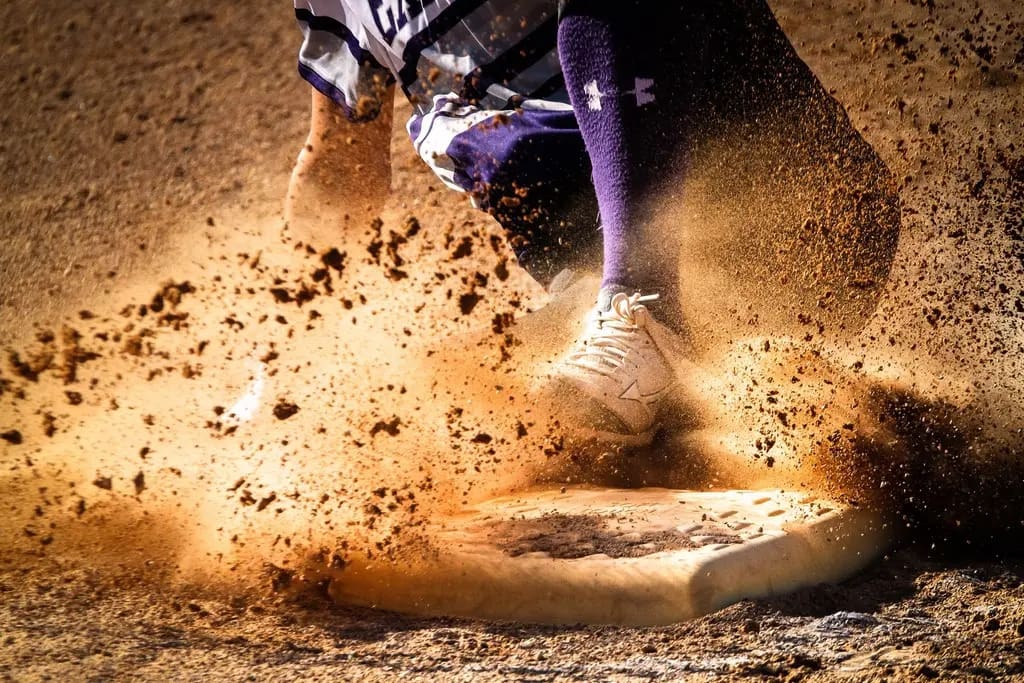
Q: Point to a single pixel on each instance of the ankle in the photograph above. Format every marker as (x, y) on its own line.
(666, 309)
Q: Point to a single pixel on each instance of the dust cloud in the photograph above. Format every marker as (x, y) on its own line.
(853, 278)
(274, 404)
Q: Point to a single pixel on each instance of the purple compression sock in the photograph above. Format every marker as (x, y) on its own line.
(611, 73)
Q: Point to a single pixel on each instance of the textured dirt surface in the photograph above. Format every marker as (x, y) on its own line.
(193, 404)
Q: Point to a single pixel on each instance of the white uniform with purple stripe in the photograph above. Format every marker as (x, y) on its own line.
(483, 76)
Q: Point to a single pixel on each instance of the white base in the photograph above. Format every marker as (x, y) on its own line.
(612, 556)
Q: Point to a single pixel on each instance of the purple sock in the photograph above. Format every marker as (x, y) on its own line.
(608, 71)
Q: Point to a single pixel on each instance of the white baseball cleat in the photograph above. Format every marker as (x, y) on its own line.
(621, 369)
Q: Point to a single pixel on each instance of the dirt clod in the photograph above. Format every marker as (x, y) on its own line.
(284, 409)
(11, 436)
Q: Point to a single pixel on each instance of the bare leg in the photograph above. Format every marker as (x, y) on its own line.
(342, 175)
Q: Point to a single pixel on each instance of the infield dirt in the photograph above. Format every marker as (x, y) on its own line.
(194, 402)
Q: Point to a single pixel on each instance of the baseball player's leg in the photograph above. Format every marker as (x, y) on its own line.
(628, 75)
(629, 72)
(342, 174)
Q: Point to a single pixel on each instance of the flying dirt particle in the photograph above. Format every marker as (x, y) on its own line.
(468, 301)
(334, 259)
(281, 295)
(482, 438)
(412, 226)
(30, 369)
(377, 243)
(133, 345)
(171, 291)
(554, 445)
(11, 436)
(305, 294)
(501, 269)
(285, 409)
(264, 502)
(463, 249)
(500, 321)
(395, 240)
(321, 275)
(140, 483)
(280, 578)
(74, 397)
(49, 424)
(105, 483)
(390, 427)
(366, 108)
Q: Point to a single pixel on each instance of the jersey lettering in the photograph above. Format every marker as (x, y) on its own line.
(390, 16)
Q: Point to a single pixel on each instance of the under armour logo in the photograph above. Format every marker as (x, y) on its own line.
(594, 96)
(633, 393)
(641, 91)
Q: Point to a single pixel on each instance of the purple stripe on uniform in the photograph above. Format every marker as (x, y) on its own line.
(327, 89)
(415, 125)
(339, 30)
(549, 87)
(441, 24)
(516, 59)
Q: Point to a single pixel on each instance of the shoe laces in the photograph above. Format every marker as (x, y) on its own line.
(611, 337)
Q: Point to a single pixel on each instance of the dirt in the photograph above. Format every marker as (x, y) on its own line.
(905, 619)
(152, 301)
(573, 536)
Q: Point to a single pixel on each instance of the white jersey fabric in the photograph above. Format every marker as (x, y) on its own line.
(483, 75)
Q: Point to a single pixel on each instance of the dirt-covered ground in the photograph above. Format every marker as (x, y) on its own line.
(148, 290)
